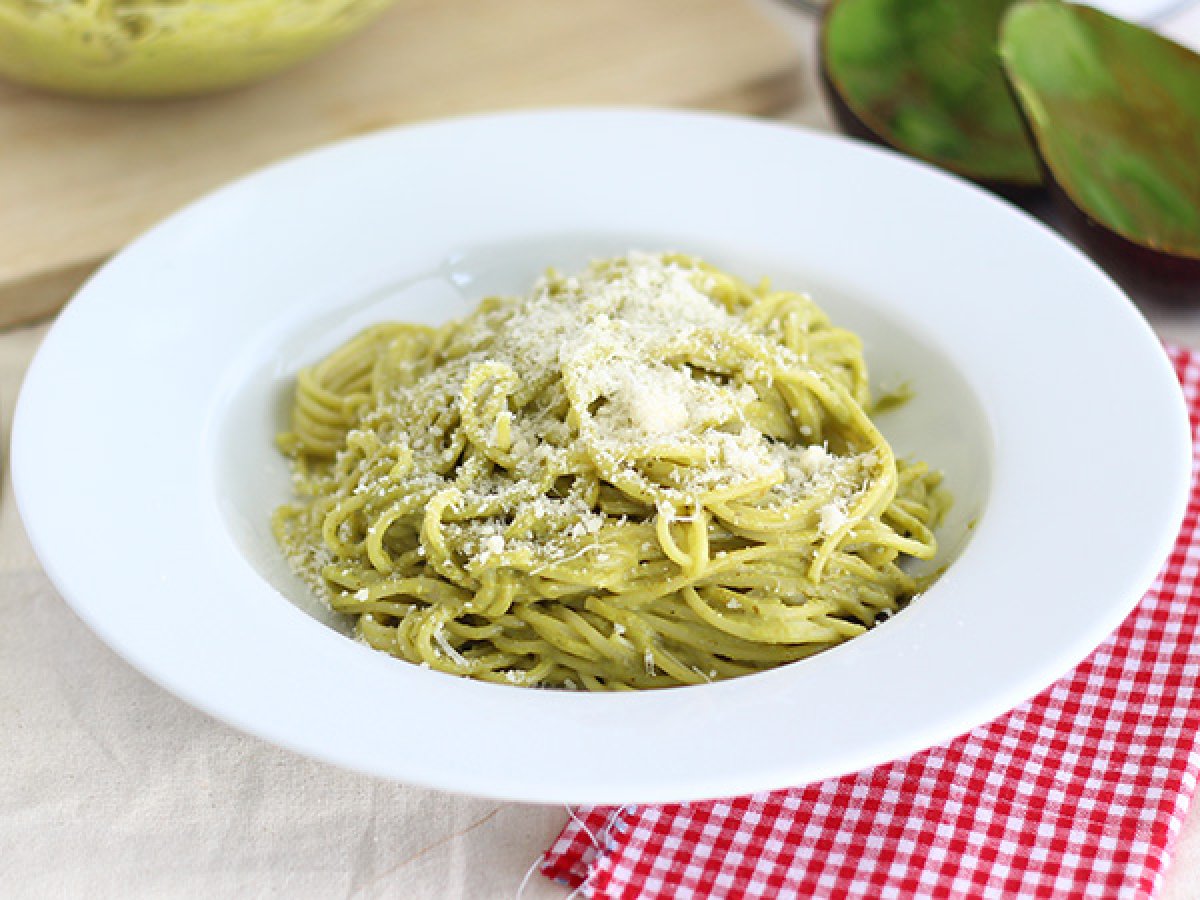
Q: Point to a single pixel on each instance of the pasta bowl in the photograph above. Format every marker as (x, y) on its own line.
(1037, 389)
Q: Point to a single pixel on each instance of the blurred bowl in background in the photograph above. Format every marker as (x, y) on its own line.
(166, 48)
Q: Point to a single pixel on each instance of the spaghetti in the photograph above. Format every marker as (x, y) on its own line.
(647, 474)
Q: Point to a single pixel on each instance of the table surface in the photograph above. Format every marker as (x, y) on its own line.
(111, 787)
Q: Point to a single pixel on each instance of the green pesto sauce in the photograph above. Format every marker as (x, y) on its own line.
(160, 48)
(892, 398)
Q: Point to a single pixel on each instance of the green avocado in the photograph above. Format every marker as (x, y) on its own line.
(1114, 110)
(923, 76)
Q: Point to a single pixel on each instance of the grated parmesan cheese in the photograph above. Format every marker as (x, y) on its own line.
(620, 330)
(832, 517)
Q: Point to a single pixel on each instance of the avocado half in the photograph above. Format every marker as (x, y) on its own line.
(923, 77)
(1114, 111)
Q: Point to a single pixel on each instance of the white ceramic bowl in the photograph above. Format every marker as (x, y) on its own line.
(145, 470)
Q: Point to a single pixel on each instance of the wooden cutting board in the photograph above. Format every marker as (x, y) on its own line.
(79, 179)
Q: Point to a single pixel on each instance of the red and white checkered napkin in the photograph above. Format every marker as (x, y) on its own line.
(1078, 792)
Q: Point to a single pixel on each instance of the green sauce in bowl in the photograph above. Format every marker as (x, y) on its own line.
(166, 48)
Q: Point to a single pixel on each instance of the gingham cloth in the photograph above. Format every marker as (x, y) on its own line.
(1079, 792)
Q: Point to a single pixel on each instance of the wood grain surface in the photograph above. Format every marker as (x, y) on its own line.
(79, 179)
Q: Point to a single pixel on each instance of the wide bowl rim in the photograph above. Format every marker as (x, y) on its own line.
(324, 721)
